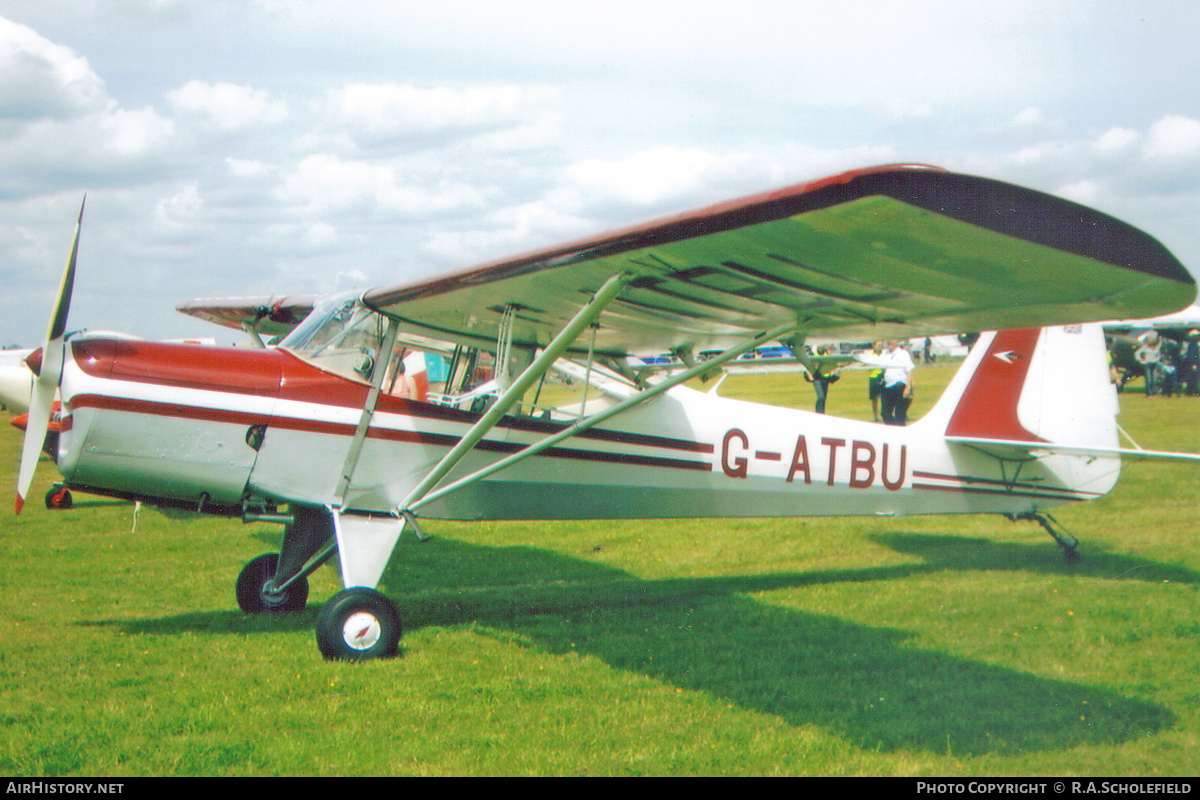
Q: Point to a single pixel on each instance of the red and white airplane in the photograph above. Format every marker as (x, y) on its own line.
(318, 432)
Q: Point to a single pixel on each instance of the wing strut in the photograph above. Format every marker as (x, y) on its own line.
(365, 543)
(585, 317)
(382, 357)
(251, 330)
(416, 501)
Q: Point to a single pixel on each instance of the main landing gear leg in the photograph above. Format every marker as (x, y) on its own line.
(276, 582)
(1067, 542)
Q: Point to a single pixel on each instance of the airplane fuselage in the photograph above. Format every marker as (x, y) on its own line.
(215, 428)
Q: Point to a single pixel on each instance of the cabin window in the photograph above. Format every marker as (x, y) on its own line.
(342, 336)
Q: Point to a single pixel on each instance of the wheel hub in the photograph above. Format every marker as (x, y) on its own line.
(271, 596)
(361, 631)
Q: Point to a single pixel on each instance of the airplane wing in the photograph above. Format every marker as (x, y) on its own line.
(269, 315)
(870, 254)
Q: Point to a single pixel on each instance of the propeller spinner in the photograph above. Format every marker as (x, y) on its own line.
(48, 373)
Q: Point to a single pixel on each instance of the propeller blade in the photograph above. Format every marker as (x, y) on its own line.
(45, 385)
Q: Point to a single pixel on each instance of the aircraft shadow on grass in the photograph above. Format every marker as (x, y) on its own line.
(860, 682)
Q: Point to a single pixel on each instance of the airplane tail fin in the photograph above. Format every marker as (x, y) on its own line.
(1035, 390)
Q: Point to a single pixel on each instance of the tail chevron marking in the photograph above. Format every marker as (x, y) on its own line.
(988, 406)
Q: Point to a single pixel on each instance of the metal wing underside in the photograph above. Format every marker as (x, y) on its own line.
(269, 315)
(890, 251)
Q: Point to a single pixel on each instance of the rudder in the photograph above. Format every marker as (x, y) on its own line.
(1035, 386)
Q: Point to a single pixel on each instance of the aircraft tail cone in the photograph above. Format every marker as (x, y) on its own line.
(48, 375)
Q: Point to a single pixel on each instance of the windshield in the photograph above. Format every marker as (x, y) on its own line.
(340, 335)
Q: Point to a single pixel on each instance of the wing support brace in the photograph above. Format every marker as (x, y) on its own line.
(373, 535)
(585, 317)
(251, 330)
(382, 356)
(416, 501)
(365, 543)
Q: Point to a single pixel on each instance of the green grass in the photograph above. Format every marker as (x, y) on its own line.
(917, 646)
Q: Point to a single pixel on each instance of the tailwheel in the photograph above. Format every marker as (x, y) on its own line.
(256, 592)
(357, 624)
(1066, 541)
(59, 497)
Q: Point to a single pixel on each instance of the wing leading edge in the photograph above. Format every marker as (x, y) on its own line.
(889, 251)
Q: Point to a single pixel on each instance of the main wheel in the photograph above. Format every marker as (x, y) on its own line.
(357, 624)
(254, 596)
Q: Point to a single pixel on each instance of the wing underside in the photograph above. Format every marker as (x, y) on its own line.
(891, 251)
(269, 315)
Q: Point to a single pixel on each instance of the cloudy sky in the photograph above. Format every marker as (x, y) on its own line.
(287, 146)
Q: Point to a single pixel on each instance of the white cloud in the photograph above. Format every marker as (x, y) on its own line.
(1173, 137)
(320, 235)
(644, 178)
(325, 185)
(134, 133)
(226, 107)
(1027, 117)
(387, 114)
(387, 108)
(1116, 140)
(43, 80)
(246, 167)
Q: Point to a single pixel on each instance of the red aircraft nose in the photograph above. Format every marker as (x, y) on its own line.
(53, 429)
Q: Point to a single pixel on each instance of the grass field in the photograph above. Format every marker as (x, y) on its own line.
(915, 646)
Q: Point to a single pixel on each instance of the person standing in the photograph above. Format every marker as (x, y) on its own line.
(897, 381)
(820, 381)
(1189, 361)
(1149, 354)
(875, 383)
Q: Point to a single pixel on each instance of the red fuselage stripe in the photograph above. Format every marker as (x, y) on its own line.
(275, 373)
(1001, 492)
(153, 408)
(970, 479)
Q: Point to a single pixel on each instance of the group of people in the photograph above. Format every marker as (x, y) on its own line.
(1168, 367)
(890, 383)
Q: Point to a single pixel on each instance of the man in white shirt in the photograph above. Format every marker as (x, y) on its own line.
(897, 381)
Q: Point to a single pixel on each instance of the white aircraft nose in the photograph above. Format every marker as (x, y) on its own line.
(16, 384)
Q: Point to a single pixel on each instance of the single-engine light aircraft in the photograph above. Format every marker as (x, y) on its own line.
(324, 434)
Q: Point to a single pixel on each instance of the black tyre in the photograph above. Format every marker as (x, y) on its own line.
(357, 624)
(253, 595)
(58, 497)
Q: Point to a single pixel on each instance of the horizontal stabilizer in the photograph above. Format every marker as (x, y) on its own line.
(1016, 450)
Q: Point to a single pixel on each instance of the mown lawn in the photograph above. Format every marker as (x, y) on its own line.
(912, 646)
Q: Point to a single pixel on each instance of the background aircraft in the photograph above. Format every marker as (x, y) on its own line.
(1128, 352)
(16, 381)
